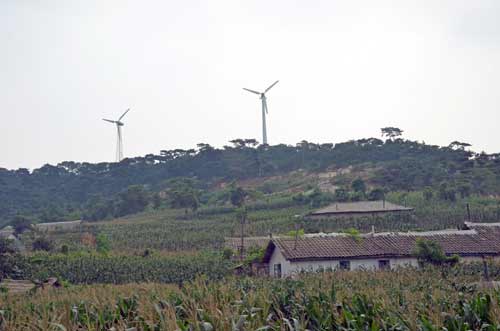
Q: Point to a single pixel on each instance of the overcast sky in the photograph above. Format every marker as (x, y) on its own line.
(346, 69)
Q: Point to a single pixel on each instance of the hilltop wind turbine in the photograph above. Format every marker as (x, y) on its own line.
(264, 109)
(119, 141)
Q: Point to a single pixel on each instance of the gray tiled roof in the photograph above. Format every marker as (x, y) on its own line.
(476, 241)
(235, 242)
(360, 207)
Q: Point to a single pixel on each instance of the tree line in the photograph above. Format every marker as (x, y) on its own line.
(62, 191)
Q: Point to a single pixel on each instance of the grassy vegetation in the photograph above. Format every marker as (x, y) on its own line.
(430, 299)
(174, 231)
(90, 268)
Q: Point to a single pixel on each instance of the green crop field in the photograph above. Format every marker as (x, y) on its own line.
(430, 299)
(173, 230)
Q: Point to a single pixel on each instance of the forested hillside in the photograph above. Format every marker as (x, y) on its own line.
(65, 190)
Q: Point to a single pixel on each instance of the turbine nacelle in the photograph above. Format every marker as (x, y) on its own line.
(118, 123)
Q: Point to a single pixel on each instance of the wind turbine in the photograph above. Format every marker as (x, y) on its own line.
(264, 109)
(119, 141)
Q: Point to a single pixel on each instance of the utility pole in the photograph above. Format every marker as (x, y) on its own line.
(242, 243)
(468, 212)
(485, 269)
(296, 231)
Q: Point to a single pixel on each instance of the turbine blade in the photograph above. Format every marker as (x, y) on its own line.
(110, 121)
(249, 90)
(126, 111)
(267, 89)
(265, 106)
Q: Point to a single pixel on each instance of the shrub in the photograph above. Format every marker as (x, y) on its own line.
(376, 194)
(103, 244)
(358, 185)
(428, 194)
(431, 252)
(21, 224)
(64, 249)
(42, 244)
(341, 195)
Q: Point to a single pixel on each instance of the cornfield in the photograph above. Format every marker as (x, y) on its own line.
(393, 300)
(172, 230)
(121, 269)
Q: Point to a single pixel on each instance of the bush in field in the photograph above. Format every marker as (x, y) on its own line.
(376, 194)
(102, 243)
(6, 246)
(21, 224)
(7, 258)
(237, 196)
(428, 194)
(341, 194)
(359, 186)
(314, 198)
(42, 244)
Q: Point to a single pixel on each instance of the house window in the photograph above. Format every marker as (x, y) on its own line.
(345, 265)
(277, 270)
(384, 264)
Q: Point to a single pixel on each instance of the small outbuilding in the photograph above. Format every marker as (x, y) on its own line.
(358, 208)
(287, 256)
(235, 243)
(58, 226)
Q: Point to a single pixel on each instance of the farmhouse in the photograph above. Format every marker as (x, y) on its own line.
(358, 208)
(56, 226)
(286, 256)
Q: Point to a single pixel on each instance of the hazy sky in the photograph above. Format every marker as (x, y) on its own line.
(346, 69)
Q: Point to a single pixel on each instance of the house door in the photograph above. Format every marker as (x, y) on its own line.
(277, 270)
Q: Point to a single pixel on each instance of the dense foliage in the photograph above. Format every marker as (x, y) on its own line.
(65, 190)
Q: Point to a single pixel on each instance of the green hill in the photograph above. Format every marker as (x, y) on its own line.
(73, 190)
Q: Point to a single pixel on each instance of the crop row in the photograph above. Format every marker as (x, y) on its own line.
(171, 230)
(120, 269)
(403, 300)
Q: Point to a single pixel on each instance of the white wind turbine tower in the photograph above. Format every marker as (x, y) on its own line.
(264, 109)
(119, 141)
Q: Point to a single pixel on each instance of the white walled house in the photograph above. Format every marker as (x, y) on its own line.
(288, 256)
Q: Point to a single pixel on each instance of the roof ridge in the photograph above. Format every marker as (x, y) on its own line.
(479, 224)
(422, 233)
